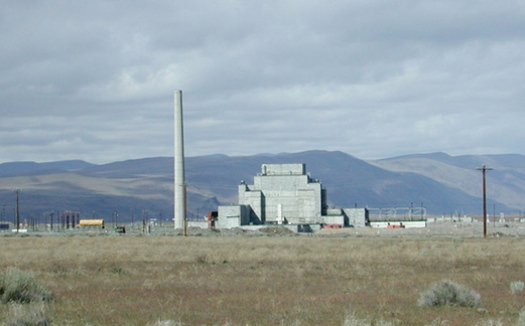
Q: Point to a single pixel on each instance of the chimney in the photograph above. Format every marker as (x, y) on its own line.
(179, 185)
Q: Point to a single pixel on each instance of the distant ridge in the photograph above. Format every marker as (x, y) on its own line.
(444, 184)
(506, 183)
(214, 155)
(29, 168)
(270, 154)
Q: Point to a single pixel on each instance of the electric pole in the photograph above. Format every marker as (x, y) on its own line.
(494, 215)
(17, 191)
(483, 170)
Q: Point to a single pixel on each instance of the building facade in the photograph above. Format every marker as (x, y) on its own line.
(285, 194)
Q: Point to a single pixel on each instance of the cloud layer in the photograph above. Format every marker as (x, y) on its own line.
(95, 80)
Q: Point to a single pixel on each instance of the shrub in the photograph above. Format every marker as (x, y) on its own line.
(166, 323)
(493, 323)
(19, 286)
(117, 270)
(490, 322)
(521, 318)
(517, 287)
(351, 320)
(32, 314)
(447, 292)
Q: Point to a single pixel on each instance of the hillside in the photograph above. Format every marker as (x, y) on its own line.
(33, 168)
(505, 184)
(442, 183)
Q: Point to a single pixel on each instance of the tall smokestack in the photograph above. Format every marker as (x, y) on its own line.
(180, 195)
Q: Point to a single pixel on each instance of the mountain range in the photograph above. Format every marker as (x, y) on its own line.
(443, 184)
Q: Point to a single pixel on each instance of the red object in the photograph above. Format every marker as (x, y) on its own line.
(395, 226)
(331, 226)
(212, 218)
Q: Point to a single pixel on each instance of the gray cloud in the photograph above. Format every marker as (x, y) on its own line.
(372, 78)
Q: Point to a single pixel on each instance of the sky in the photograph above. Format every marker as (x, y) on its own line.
(94, 80)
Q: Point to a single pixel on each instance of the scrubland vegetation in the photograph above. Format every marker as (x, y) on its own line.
(280, 280)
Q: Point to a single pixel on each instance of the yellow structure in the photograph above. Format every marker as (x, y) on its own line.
(92, 222)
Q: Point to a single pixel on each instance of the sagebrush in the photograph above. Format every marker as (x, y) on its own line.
(18, 314)
(20, 287)
(517, 286)
(449, 293)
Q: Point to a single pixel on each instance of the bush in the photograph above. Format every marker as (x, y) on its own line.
(449, 293)
(19, 286)
(517, 287)
(490, 322)
(351, 320)
(166, 323)
(33, 314)
(521, 318)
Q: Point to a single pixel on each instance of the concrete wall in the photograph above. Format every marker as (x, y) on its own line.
(283, 169)
(357, 217)
(463, 219)
(297, 206)
(407, 224)
(198, 224)
(233, 216)
(334, 216)
(283, 189)
(255, 200)
(334, 211)
(333, 220)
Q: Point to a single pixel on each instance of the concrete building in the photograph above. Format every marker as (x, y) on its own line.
(283, 193)
(286, 194)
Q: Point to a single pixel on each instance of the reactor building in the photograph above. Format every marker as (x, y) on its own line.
(286, 194)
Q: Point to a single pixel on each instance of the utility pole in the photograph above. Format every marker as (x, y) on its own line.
(144, 219)
(483, 170)
(494, 215)
(17, 191)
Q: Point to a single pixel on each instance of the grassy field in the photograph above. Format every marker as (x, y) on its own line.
(260, 280)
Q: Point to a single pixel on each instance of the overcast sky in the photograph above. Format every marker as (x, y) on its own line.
(94, 80)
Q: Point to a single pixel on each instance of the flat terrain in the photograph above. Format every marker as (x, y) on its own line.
(255, 279)
(440, 230)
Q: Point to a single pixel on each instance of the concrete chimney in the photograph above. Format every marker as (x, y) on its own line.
(179, 185)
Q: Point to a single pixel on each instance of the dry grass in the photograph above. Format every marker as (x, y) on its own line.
(129, 280)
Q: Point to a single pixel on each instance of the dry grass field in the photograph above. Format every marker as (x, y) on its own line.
(262, 280)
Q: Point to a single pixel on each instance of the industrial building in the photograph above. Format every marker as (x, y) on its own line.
(285, 194)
